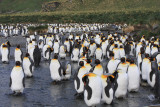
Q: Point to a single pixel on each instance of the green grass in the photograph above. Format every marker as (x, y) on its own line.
(78, 5)
(89, 11)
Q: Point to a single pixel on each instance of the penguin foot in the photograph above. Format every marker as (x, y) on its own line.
(17, 94)
(5, 62)
(79, 96)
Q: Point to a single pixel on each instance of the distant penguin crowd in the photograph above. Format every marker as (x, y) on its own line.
(128, 62)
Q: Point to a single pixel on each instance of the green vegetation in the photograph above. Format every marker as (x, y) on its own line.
(86, 11)
(38, 29)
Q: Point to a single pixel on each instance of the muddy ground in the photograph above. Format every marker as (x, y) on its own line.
(40, 92)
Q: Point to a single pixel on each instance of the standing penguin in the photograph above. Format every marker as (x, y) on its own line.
(152, 72)
(99, 53)
(36, 56)
(28, 66)
(112, 64)
(145, 67)
(62, 51)
(47, 52)
(88, 65)
(56, 47)
(121, 84)
(18, 54)
(67, 71)
(92, 89)
(56, 70)
(97, 69)
(17, 79)
(133, 77)
(78, 84)
(5, 54)
(75, 54)
(108, 89)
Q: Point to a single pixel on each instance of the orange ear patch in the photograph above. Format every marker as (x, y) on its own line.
(99, 66)
(104, 76)
(92, 75)
(25, 57)
(17, 49)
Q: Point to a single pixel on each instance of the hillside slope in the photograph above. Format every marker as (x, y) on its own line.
(11, 6)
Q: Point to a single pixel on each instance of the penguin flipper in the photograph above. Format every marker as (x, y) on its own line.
(151, 75)
(59, 71)
(89, 90)
(77, 80)
(140, 66)
(10, 83)
(30, 68)
(23, 82)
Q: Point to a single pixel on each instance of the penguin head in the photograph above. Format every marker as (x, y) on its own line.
(55, 56)
(142, 50)
(8, 43)
(4, 46)
(27, 55)
(85, 79)
(132, 61)
(121, 46)
(123, 60)
(116, 46)
(97, 61)
(18, 46)
(18, 63)
(81, 63)
(111, 54)
(146, 55)
(89, 61)
(152, 58)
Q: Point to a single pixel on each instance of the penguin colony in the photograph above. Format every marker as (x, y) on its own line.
(128, 62)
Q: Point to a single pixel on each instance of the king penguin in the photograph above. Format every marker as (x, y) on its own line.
(18, 54)
(28, 66)
(78, 84)
(17, 83)
(92, 89)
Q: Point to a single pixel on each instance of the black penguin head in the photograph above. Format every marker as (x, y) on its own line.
(81, 63)
(121, 46)
(27, 55)
(142, 50)
(128, 60)
(97, 61)
(152, 58)
(4, 46)
(85, 79)
(8, 43)
(18, 63)
(123, 60)
(111, 54)
(55, 56)
(18, 46)
(66, 39)
(146, 55)
(116, 46)
(56, 40)
(89, 61)
(132, 61)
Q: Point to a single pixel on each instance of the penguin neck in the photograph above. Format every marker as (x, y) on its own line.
(17, 66)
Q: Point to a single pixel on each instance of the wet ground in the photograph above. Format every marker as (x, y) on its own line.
(40, 92)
